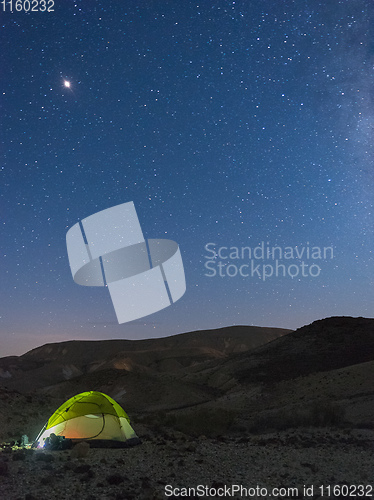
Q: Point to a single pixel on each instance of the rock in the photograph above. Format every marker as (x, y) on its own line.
(47, 480)
(82, 469)
(44, 457)
(190, 448)
(3, 469)
(80, 450)
(217, 485)
(115, 479)
(126, 495)
(19, 455)
(48, 466)
(87, 476)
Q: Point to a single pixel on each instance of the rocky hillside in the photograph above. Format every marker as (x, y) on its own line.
(257, 378)
(322, 346)
(55, 363)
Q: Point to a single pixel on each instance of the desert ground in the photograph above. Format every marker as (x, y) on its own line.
(165, 463)
(229, 411)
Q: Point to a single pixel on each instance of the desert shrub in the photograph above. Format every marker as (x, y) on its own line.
(276, 421)
(319, 414)
(207, 422)
(266, 423)
(326, 414)
(365, 425)
(155, 421)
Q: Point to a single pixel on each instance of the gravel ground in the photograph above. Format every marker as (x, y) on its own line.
(154, 469)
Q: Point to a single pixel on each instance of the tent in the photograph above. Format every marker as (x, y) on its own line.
(90, 416)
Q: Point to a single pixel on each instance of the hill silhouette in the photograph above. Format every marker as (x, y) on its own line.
(58, 362)
(251, 372)
(324, 345)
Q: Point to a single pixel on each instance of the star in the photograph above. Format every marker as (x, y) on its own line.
(67, 84)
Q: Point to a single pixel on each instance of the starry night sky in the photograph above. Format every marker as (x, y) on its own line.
(232, 123)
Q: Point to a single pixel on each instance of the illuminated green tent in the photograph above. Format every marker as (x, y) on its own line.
(90, 416)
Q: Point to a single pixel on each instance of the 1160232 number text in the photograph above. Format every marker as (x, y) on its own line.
(28, 5)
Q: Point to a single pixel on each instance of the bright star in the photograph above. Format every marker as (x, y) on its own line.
(67, 84)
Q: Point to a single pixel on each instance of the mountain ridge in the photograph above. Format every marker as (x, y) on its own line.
(56, 362)
(326, 364)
